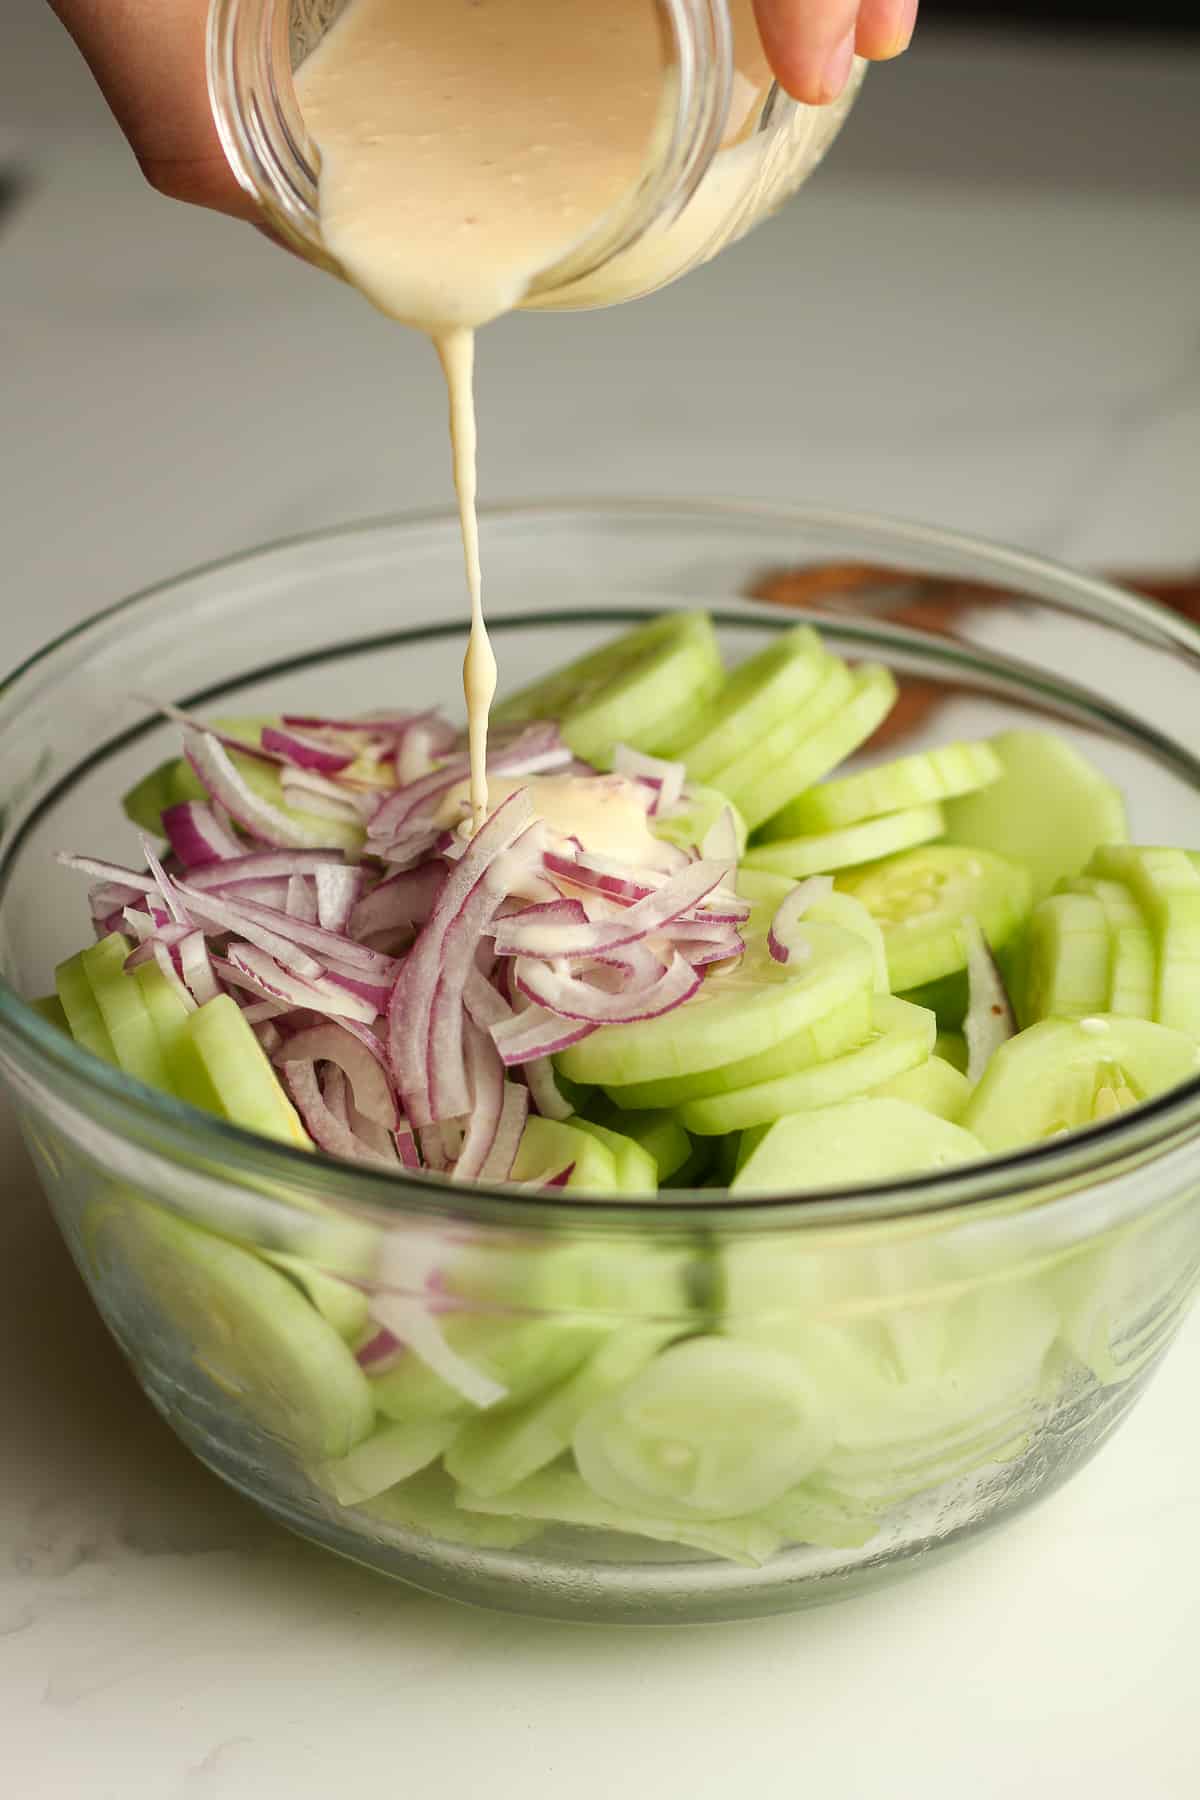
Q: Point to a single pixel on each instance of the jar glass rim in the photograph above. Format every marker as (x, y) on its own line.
(167, 1127)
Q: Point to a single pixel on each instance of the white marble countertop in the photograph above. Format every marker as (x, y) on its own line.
(984, 312)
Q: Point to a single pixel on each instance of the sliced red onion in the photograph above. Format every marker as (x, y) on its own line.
(306, 752)
(165, 887)
(572, 996)
(263, 865)
(240, 915)
(166, 963)
(485, 1078)
(300, 901)
(398, 902)
(990, 1021)
(414, 801)
(338, 889)
(360, 1061)
(196, 967)
(721, 838)
(485, 1006)
(617, 881)
(196, 835)
(375, 990)
(514, 1110)
(408, 848)
(265, 1012)
(406, 1146)
(222, 916)
(381, 1352)
(223, 782)
(781, 937)
(702, 951)
(150, 931)
(325, 1129)
(248, 967)
(129, 879)
(410, 1012)
(536, 1032)
(666, 778)
(532, 936)
(544, 1090)
(242, 746)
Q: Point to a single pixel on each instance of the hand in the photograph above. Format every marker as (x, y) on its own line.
(148, 57)
(811, 44)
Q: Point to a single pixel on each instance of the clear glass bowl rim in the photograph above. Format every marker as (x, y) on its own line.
(1035, 1176)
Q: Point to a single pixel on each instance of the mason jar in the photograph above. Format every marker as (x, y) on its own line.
(730, 148)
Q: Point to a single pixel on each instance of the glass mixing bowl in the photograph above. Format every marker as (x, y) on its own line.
(876, 1375)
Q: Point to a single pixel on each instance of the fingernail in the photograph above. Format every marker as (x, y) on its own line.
(836, 70)
(906, 24)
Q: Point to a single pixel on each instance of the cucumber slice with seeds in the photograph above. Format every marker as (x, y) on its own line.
(548, 1146)
(1066, 968)
(628, 690)
(1048, 811)
(711, 1429)
(829, 850)
(921, 897)
(1166, 885)
(1064, 1074)
(756, 697)
(903, 1036)
(925, 778)
(847, 1026)
(501, 1448)
(737, 1012)
(869, 1139)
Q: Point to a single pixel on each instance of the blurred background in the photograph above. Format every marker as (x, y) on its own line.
(983, 311)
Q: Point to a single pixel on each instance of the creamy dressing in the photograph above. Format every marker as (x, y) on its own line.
(468, 147)
(607, 813)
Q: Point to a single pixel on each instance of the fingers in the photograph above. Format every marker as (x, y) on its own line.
(148, 59)
(811, 44)
(885, 28)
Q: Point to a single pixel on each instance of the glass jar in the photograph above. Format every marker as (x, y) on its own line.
(952, 1347)
(731, 147)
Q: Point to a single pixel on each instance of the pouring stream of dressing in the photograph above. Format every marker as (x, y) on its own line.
(466, 147)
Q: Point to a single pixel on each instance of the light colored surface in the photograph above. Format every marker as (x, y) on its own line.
(983, 312)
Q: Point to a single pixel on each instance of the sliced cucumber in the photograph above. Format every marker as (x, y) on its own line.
(233, 1061)
(339, 1302)
(921, 898)
(923, 779)
(249, 1330)
(635, 1168)
(524, 1356)
(84, 1018)
(168, 1014)
(548, 1146)
(935, 1085)
(659, 1133)
(902, 1036)
(847, 1026)
(119, 999)
(690, 822)
(559, 1496)
(1048, 811)
(742, 777)
(1063, 1074)
(757, 696)
(624, 692)
(951, 1046)
(711, 1429)
(852, 915)
(737, 1012)
(1131, 947)
(391, 1454)
(175, 781)
(1166, 885)
(1067, 959)
(500, 1448)
(50, 1008)
(853, 844)
(427, 1504)
(871, 699)
(871, 1139)
(816, 1514)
